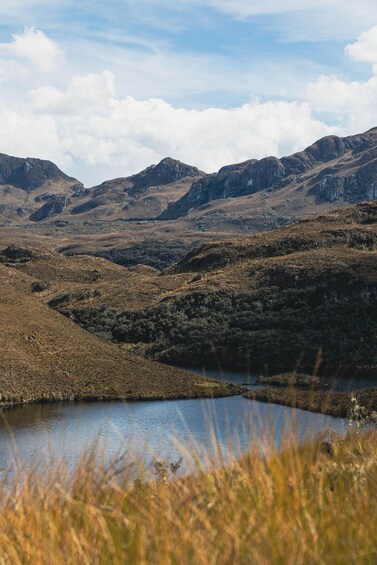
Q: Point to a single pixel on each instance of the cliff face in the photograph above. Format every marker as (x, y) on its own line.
(331, 168)
(28, 174)
(246, 197)
(167, 171)
(33, 189)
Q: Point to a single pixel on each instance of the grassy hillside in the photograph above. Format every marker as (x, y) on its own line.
(315, 504)
(276, 299)
(45, 356)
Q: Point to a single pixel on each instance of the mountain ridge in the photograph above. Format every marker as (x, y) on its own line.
(251, 196)
(254, 176)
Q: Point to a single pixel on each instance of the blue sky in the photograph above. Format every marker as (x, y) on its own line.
(106, 88)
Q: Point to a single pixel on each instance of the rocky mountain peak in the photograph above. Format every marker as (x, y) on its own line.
(330, 162)
(165, 172)
(27, 173)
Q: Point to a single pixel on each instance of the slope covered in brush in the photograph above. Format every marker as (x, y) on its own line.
(277, 299)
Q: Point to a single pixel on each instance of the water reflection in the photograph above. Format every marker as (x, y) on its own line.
(168, 429)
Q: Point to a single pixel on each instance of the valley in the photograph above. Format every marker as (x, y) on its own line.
(132, 291)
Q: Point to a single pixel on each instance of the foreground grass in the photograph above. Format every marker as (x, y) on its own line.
(326, 402)
(305, 505)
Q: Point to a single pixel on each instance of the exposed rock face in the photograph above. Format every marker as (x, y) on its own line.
(329, 183)
(50, 208)
(85, 207)
(138, 197)
(28, 174)
(167, 171)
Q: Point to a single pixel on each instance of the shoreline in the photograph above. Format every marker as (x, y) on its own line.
(10, 405)
(329, 403)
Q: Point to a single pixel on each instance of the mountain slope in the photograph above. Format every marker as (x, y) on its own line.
(141, 196)
(330, 170)
(45, 356)
(33, 189)
(248, 197)
(28, 174)
(277, 299)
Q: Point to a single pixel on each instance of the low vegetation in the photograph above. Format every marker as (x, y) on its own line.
(314, 504)
(45, 357)
(330, 402)
(155, 253)
(271, 325)
(275, 299)
(300, 380)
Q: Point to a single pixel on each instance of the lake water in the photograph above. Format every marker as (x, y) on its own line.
(147, 430)
(41, 434)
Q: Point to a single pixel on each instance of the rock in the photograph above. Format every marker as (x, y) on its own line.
(50, 208)
(272, 173)
(28, 174)
(167, 171)
(16, 254)
(85, 207)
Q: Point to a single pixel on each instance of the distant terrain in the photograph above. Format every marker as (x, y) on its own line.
(158, 267)
(297, 296)
(176, 198)
(275, 299)
(45, 356)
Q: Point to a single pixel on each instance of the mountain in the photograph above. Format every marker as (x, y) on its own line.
(28, 174)
(33, 189)
(332, 170)
(141, 196)
(174, 197)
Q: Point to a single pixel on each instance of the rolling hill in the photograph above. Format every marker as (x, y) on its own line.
(46, 357)
(297, 296)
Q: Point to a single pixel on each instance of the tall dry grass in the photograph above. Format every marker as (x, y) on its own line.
(311, 504)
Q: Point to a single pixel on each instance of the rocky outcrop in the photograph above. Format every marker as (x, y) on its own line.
(329, 183)
(50, 208)
(85, 207)
(167, 171)
(142, 196)
(361, 185)
(28, 174)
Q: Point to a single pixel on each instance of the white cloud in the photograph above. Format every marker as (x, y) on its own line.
(365, 48)
(33, 47)
(353, 103)
(88, 128)
(94, 133)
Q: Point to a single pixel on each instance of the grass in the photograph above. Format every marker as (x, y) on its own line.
(302, 506)
(329, 402)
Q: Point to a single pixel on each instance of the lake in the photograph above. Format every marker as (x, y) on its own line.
(41, 434)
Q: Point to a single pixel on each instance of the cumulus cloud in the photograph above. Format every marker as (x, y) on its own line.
(94, 133)
(365, 48)
(32, 47)
(89, 128)
(354, 103)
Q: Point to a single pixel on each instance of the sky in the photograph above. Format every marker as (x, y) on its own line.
(106, 88)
